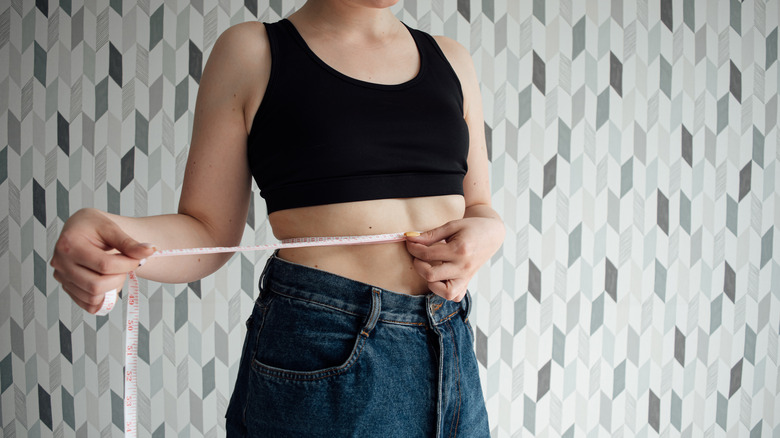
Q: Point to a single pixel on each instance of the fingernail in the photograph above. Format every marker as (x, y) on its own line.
(148, 245)
(141, 263)
(411, 234)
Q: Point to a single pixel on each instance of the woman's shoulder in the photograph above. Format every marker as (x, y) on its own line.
(242, 49)
(239, 65)
(460, 60)
(455, 52)
(245, 40)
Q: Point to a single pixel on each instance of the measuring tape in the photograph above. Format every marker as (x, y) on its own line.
(133, 309)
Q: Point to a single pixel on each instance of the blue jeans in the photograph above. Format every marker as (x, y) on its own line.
(328, 356)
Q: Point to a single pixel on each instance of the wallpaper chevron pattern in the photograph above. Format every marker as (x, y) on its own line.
(634, 149)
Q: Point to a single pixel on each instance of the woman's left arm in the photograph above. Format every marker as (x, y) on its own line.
(448, 257)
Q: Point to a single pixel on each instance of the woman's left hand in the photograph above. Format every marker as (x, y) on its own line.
(448, 257)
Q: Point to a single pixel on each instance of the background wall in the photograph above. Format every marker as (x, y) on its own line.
(634, 150)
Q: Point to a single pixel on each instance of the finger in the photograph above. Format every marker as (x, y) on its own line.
(114, 237)
(96, 304)
(88, 287)
(437, 252)
(105, 263)
(90, 308)
(432, 236)
(90, 281)
(103, 308)
(89, 302)
(432, 272)
(453, 290)
(93, 256)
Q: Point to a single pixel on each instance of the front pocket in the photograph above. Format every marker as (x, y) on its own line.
(301, 340)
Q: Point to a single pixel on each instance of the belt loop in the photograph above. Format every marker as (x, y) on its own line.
(466, 305)
(261, 283)
(376, 308)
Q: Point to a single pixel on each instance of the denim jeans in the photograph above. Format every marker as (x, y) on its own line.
(328, 356)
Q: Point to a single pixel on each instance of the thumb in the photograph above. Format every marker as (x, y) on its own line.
(114, 237)
(431, 236)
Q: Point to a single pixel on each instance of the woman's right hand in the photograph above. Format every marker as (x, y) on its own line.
(93, 256)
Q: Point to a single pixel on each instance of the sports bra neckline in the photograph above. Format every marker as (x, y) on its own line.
(420, 73)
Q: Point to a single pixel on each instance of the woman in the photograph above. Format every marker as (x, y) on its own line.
(352, 124)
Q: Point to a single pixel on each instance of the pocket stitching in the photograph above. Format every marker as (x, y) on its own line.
(306, 376)
(253, 350)
(354, 355)
(316, 303)
(264, 308)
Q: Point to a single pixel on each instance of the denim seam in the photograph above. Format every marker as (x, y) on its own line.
(447, 318)
(337, 309)
(310, 376)
(259, 302)
(376, 310)
(456, 419)
(262, 325)
(354, 355)
(470, 330)
(253, 352)
(440, 401)
(317, 303)
(390, 321)
(440, 371)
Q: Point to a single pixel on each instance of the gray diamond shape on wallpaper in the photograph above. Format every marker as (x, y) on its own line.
(744, 180)
(63, 134)
(663, 212)
(115, 64)
(538, 73)
(549, 175)
(39, 202)
(679, 346)
(667, 9)
(543, 384)
(616, 73)
(534, 281)
(736, 378)
(464, 8)
(195, 61)
(687, 146)
(128, 168)
(653, 411)
(735, 82)
(610, 279)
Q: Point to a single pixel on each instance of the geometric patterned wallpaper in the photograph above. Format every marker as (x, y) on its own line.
(634, 154)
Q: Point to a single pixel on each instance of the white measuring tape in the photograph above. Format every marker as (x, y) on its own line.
(133, 309)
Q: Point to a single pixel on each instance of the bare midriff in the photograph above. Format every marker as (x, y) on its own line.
(388, 266)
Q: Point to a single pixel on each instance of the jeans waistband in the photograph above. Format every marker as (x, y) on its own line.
(341, 293)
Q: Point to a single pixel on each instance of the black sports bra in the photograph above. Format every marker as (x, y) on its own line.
(320, 137)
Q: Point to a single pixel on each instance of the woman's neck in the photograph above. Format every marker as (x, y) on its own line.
(348, 20)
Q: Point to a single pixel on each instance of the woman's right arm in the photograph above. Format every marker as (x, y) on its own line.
(96, 249)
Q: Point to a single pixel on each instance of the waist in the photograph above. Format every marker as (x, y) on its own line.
(348, 295)
(389, 266)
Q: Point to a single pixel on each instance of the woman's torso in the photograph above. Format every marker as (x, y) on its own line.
(388, 266)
